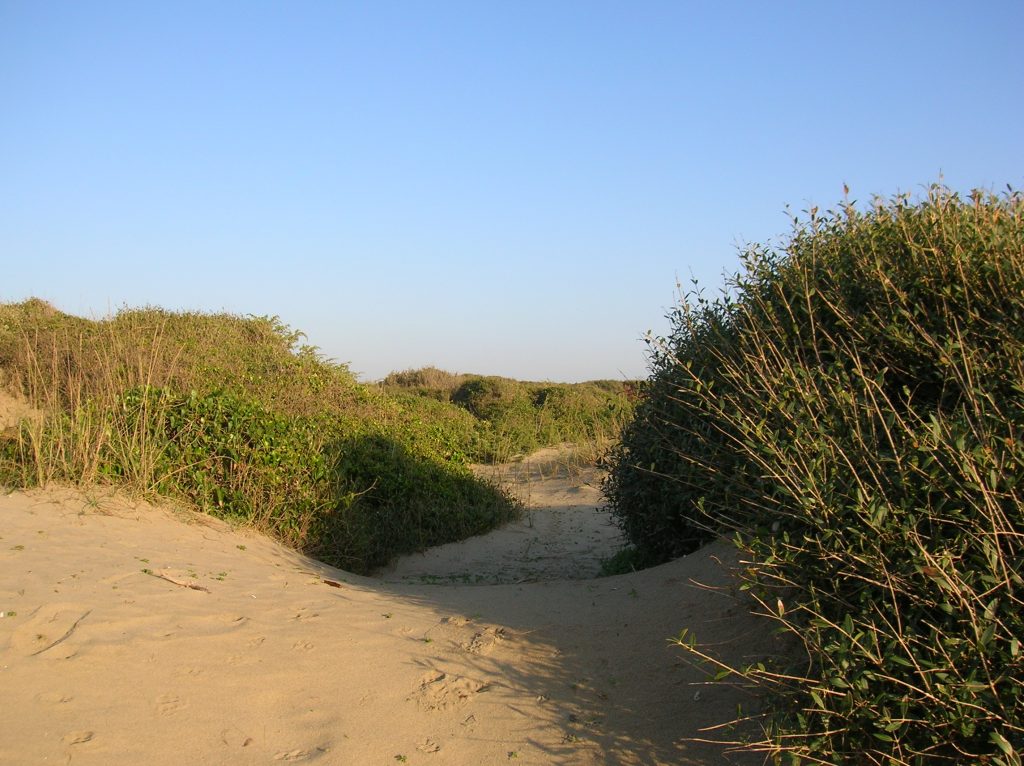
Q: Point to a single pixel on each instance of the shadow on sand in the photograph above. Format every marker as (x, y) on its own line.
(588, 666)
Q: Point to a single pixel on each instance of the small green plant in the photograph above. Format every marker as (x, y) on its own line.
(629, 559)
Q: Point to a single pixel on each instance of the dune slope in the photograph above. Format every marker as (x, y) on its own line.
(134, 634)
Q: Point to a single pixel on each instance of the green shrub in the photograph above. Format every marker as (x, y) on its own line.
(232, 457)
(852, 408)
(403, 501)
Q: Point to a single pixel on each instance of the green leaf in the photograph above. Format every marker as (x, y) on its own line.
(1001, 742)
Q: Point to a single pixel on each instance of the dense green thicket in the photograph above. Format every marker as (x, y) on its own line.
(234, 416)
(852, 407)
(511, 417)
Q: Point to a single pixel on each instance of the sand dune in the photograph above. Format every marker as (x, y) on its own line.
(132, 634)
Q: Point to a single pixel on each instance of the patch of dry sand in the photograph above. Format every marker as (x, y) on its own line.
(133, 635)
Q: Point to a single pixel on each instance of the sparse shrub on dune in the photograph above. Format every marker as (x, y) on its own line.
(851, 410)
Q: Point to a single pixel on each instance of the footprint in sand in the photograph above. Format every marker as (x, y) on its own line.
(235, 737)
(428, 746)
(170, 704)
(484, 641)
(439, 691)
(299, 754)
(303, 646)
(77, 737)
(53, 698)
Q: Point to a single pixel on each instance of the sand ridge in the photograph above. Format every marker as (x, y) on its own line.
(132, 634)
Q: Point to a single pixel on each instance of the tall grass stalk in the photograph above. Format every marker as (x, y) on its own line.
(75, 385)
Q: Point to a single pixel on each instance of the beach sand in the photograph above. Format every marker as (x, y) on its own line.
(134, 633)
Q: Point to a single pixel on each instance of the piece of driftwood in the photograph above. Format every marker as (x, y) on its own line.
(179, 583)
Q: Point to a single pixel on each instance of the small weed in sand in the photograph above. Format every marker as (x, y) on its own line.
(629, 559)
(240, 547)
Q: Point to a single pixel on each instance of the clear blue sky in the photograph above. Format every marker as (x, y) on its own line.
(498, 187)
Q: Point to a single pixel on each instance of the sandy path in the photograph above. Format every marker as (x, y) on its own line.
(565, 532)
(109, 655)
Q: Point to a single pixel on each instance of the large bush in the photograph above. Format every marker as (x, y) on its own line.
(852, 407)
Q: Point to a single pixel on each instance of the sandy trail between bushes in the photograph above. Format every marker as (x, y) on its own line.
(135, 634)
(565, 532)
